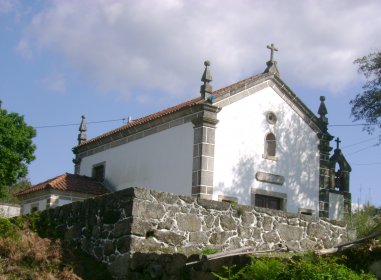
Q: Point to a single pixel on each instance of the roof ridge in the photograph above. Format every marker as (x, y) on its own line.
(168, 110)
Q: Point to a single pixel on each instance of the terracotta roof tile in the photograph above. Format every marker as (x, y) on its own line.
(145, 119)
(173, 109)
(68, 182)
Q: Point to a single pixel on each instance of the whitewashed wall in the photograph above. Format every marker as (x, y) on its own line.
(58, 198)
(160, 161)
(240, 138)
(9, 210)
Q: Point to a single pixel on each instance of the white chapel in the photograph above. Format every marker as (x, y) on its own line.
(253, 142)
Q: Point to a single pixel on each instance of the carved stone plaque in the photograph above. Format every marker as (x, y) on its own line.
(269, 178)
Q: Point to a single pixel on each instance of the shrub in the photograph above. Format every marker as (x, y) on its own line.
(305, 268)
(7, 229)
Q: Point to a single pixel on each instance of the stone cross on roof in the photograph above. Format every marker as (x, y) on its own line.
(271, 64)
(273, 49)
(337, 143)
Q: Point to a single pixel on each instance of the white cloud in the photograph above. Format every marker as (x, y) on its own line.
(7, 6)
(158, 48)
(55, 83)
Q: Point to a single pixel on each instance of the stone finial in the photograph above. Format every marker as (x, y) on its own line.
(323, 110)
(82, 131)
(271, 64)
(206, 88)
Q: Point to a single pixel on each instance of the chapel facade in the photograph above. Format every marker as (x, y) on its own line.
(253, 142)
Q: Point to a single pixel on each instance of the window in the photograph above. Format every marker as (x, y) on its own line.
(265, 201)
(305, 211)
(99, 172)
(270, 145)
(269, 199)
(271, 118)
(34, 208)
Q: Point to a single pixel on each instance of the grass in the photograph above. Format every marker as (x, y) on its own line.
(26, 255)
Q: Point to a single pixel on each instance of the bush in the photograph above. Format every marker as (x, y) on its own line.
(305, 268)
(7, 229)
(365, 221)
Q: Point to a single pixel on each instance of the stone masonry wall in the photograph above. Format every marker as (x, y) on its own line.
(125, 229)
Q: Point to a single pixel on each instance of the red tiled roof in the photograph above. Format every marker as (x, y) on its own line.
(173, 109)
(70, 183)
(145, 119)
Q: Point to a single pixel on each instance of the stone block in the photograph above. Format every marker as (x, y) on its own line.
(288, 233)
(167, 224)
(122, 227)
(140, 227)
(73, 232)
(147, 210)
(267, 223)
(209, 220)
(188, 222)
(123, 244)
(207, 150)
(248, 219)
(147, 245)
(163, 197)
(169, 237)
(210, 135)
(142, 193)
(108, 248)
(307, 244)
(198, 237)
(212, 204)
(228, 223)
(271, 237)
(244, 232)
(119, 268)
(317, 230)
(199, 136)
(206, 178)
(219, 238)
(293, 245)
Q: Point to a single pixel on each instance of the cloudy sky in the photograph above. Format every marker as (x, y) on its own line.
(112, 59)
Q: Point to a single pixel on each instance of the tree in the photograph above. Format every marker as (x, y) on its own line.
(16, 147)
(367, 105)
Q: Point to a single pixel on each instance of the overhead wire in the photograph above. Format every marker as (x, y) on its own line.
(77, 124)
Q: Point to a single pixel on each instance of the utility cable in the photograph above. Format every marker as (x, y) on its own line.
(77, 124)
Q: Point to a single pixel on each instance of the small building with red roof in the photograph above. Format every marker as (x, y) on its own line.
(59, 191)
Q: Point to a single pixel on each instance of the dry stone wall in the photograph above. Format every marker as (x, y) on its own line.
(125, 229)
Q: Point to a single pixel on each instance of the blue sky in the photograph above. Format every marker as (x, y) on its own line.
(112, 59)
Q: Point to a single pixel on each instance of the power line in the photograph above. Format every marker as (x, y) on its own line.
(366, 148)
(361, 142)
(371, 163)
(357, 124)
(77, 124)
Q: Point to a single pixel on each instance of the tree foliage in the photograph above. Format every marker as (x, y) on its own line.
(16, 147)
(367, 104)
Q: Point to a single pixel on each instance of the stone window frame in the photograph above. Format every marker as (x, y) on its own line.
(267, 153)
(94, 170)
(281, 196)
(271, 117)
